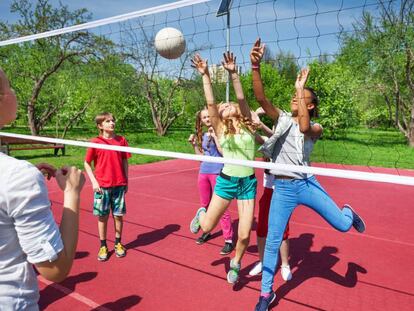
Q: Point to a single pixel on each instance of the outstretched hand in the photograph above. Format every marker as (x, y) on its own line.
(257, 52)
(70, 179)
(256, 119)
(229, 62)
(199, 64)
(302, 78)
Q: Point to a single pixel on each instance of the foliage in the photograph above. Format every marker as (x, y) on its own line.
(381, 55)
(34, 67)
(337, 108)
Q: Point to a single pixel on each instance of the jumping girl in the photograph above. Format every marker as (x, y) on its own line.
(233, 125)
(292, 143)
(206, 143)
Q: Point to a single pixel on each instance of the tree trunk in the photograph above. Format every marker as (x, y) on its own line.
(32, 118)
(411, 129)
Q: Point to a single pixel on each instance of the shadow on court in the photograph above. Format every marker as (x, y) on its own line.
(315, 264)
(50, 294)
(305, 264)
(121, 304)
(153, 236)
(80, 255)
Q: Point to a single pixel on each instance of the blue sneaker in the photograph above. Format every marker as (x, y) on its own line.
(357, 222)
(264, 303)
(195, 223)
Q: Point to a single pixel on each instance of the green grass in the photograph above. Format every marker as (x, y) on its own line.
(366, 147)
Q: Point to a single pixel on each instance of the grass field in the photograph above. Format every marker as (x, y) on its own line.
(366, 147)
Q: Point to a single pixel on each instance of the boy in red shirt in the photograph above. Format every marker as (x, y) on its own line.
(109, 182)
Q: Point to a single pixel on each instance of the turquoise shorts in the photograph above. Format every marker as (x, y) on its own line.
(240, 188)
(112, 198)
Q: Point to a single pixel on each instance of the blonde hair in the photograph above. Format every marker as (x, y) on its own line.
(246, 123)
(100, 118)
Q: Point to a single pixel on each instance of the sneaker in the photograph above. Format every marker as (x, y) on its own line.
(120, 250)
(286, 273)
(204, 238)
(195, 223)
(257, 269)
(227, 248)
(103, 253)
(357, 222)
(264, 303)
(233, 274)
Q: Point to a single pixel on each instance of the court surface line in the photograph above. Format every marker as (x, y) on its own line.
(73, 294)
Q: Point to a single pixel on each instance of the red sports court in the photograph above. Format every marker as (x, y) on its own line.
(166, 270)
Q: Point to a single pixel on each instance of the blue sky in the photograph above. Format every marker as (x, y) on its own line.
(312, 32)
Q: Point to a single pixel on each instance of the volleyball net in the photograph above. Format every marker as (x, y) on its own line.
(64, 76)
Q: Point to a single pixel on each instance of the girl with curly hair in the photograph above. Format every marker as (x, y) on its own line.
(233, 125)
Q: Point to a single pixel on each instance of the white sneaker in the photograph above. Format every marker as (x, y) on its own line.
(286, 273)
(257, 269)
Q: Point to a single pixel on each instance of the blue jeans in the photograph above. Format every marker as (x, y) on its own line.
(287, 194)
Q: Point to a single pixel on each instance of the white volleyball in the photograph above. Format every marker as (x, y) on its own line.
(169, 43)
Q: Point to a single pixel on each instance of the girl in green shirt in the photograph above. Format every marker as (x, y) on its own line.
(233, 124)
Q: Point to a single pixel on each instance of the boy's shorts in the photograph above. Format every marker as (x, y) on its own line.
(241, 188)
(112, 198)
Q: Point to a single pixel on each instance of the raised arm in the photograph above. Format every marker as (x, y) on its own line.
(303, 113)
(229, 63)
(202, 67)
(256, 56)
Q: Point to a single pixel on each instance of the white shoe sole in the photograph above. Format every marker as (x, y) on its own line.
(255, 270)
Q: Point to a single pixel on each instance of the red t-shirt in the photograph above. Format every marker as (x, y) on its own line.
(109, 171)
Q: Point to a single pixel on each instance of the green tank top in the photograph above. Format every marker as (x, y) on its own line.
(238, 146)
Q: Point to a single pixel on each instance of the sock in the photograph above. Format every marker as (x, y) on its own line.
(117, 240)
(103, 242)
(265, 295)
(228, 241)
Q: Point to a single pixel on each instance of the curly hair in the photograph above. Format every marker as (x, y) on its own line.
(246, 123)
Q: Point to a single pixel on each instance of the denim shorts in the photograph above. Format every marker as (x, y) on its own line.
(112, 198)
(241, 188)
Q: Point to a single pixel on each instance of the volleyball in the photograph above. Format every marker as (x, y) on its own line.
(169, 43)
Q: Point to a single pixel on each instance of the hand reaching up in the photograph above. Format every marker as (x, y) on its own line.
(302, 78)
(257, 52)
(229, 62)
(199, 64)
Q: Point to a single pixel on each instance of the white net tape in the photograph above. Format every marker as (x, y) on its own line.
(340, 173)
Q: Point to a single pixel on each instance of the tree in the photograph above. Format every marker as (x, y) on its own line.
(334, 85)
(34, 66)
(381, 54)
(160, 81)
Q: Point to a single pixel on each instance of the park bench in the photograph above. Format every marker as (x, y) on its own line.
(8, 144)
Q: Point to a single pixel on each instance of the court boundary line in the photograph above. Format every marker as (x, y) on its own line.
(73, 294)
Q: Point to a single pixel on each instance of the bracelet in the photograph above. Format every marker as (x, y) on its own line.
(255, 66)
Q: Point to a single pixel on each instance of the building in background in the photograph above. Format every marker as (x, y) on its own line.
(219, 74)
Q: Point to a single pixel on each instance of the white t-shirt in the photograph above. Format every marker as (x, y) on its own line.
(28, 233)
